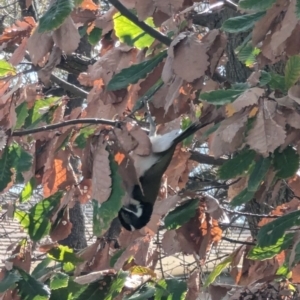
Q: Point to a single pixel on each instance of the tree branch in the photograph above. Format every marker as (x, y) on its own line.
(77, 91)
(133, 18)
(237, 242)
(206, 159)
(66, 123)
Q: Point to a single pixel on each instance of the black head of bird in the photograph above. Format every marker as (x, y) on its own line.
(150, 170)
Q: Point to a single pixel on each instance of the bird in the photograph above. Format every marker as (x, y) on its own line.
(149, 170)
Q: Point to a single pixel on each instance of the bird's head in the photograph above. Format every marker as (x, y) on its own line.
(135, 216)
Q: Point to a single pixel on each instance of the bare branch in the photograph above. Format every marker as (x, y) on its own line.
(133, 18)
(66, 123)
(206, 159)
(69, 87)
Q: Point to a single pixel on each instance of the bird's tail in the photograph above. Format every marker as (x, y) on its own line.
(189, 131)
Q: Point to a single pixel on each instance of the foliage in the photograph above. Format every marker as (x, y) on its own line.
(81, 142)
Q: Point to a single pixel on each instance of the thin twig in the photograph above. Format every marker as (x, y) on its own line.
(66, 123)
(69, 87)
(249, 214)
(133, 18)
(237, 241)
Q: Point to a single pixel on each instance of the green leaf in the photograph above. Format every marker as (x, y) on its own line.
(65, 255)
(297, 12)
(95, 36)
(284, 271)
(242, 23)
(27, 190)
(146, 291)
(243, 197)
(20, 159)
(181, 214)
(292, 71)
(237, 165)
(36, 114)
(104, 213)
(221, 97)
(185, 123)
(277, 82)
(55, 15)
(286, 163)
(5, 172)
(22, 114)
(37, 222)
(262, 253)
(115, 257)
(218, 270)
(170, 289)
(265, 78)
(6, 68)
(258, 173)
(11, 277)
(256, 5)
(69, 292)
(248, 54)
(59, 280)
(106, 289)
(41, 269)
(84, 133)
(31, 289)
(116, 285)
(135, 72)
(130, 33)
(270, 233)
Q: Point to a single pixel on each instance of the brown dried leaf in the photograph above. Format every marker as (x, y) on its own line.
(265, 135)
(218, 147)
(236, 188)
(294, 93)
(19, 53)
(63, 228)
(126, 140)
(263, 25)
(89, 5)
(248, 98)
(216, 49)
(54, 59)
(101, 180)
(218, 292)
(144, 8)
(293, 43)
(231, 126)
(288, 24)
(169, 7)
(193, 283)
(96, 107)
(170, 243)
(22, 257)
(293, 119)
(67, 37)
(112, 63)
(144, 144)
(139, 249)
(18, 31)
(173, 93)
(39, 45)
(294, 184)
(190, 58)
(176, 168)
(58, 173)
